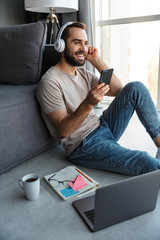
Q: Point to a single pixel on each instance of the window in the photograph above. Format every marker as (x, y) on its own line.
(128, 38)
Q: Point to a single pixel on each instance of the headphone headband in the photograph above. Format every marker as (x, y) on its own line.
(62, 29)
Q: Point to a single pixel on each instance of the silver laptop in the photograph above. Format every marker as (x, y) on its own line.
(120, 201)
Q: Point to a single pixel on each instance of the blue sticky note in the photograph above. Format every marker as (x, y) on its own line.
(67, 192)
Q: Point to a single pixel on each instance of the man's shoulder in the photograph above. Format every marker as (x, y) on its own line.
(51, 76)
(50, 72)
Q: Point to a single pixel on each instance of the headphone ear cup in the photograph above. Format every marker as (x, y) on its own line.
(59, 45)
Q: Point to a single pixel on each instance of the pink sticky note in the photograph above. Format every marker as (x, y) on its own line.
(78, 184)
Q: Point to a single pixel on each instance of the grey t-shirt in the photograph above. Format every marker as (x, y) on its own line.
(57, 90)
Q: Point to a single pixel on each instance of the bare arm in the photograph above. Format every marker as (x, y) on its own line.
(67, 124)
(94, 58)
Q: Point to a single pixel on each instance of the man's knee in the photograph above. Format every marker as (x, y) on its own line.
(136, 89)
(135, 86)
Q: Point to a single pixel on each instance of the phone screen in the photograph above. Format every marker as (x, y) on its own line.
(106, 76)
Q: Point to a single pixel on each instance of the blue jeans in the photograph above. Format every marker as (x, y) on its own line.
(100, 149)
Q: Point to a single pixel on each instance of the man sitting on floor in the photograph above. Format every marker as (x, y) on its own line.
(68, 94)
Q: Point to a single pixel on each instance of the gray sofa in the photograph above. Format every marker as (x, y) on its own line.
(24, 58)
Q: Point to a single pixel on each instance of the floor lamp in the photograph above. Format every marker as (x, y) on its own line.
(52, 7)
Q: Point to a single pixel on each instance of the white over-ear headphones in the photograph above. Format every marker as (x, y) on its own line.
(59, 45)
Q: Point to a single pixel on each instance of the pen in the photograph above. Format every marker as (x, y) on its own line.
(83, 175)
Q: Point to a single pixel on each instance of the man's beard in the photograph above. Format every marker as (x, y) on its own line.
(71, 59)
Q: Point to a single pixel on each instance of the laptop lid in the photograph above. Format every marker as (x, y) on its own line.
(120, 201)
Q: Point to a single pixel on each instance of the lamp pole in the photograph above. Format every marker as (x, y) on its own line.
(51, 18)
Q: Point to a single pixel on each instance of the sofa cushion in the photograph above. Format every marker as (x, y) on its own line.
(21, 52)
(23, 133)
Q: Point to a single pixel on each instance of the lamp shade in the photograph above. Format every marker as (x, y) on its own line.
(43, 6)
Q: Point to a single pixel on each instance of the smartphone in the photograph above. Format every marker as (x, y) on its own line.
(106, 76)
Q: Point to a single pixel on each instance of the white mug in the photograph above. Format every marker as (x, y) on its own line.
(31, 186)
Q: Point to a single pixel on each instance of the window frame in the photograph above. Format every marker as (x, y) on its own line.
(98, 24)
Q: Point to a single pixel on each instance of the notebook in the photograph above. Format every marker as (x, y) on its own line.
(71, 182)
(120, 201)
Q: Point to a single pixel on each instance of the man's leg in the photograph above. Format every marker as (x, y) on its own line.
(100, 149)
(133, 97)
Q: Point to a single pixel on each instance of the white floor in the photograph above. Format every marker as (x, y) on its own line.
(52, 218)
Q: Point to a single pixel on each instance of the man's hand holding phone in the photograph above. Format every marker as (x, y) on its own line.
(96, 94)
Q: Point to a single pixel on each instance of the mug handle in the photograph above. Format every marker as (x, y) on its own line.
(20, 183)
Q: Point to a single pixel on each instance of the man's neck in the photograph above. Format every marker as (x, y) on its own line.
(67, 68)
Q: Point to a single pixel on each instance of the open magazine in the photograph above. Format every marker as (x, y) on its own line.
(70, 182)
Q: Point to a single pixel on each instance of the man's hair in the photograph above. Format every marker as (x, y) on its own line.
(66, 33)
